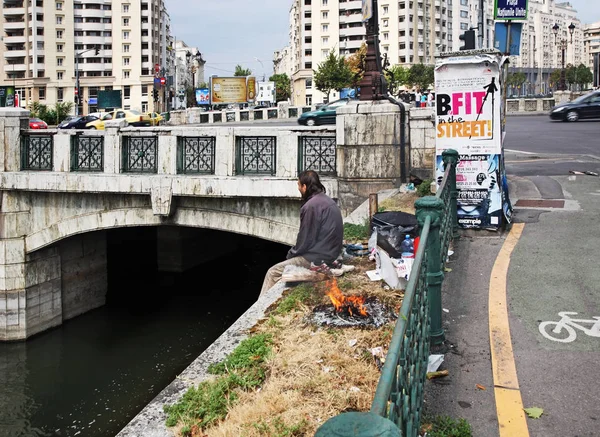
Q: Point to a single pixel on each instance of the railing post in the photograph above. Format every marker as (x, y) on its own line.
(450, 157)
(358, 425)
(431, 206)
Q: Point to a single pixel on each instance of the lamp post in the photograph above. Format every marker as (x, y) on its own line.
(77, 89)
(563, 43)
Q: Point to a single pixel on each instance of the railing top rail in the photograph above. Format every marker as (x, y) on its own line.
(384, 387)
(444, 185)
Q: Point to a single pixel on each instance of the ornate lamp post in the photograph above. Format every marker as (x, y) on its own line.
(563, 43)
(372, 85)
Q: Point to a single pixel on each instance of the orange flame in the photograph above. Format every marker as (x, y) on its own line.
(343, 303)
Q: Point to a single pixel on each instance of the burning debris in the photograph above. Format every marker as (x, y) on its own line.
(347, 311)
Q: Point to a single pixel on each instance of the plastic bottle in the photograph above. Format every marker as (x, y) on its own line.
(406, 247)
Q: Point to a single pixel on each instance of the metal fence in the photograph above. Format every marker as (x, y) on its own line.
(196, 155)
(87, 153)
(317, 153)
(140, 155)
(37, 152)
(399, 396)
(255, 155)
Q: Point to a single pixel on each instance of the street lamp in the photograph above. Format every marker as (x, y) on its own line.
(563, 47)
(77, 90)
(197, 58)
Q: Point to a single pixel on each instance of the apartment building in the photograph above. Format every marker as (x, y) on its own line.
(591, 48)
(47, 43)
(410, 31)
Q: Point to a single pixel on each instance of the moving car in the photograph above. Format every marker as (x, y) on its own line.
(324, 115)
(36, 123)
(133, 117)
(77, 122)
(155, 118)
(586, 106)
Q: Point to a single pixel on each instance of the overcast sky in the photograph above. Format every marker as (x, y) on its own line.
(230, 32)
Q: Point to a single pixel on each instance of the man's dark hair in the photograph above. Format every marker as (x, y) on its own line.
(310, 178)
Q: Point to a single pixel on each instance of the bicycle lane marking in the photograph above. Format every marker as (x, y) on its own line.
(509, 405)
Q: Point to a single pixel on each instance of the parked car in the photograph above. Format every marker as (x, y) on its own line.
(133, 118)
(36, 123)
(324, 115)
(77, 122)
(586, 106)
(155, 118)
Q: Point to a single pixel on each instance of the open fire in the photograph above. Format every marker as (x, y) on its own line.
(351, 305)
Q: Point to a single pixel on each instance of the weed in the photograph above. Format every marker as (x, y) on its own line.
(209, 402)
(302, 294)
(278, 428)
(354, 232)
(445, 426)
(425, 188)
(345, 284)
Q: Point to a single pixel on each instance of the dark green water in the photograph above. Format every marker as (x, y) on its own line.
(93, 374)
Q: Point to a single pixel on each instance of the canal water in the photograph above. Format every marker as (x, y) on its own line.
(92, 375)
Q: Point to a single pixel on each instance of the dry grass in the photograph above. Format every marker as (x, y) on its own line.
(404, 202)
(314, 373)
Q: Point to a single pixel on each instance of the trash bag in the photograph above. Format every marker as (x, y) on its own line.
(391, 227)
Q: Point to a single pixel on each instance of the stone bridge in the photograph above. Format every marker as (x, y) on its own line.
(58, 188)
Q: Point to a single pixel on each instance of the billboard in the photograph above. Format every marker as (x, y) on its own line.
(203, 96)
(469, 106)
(510, 10)
(266, 92)
(109, 99)
(225, 90)
(251, 89)
(7, 97)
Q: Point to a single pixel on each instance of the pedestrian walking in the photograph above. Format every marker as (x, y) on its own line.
(430, 99)
(418, 98)
(321, 232)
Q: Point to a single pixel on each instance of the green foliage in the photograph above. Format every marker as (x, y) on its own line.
(444, 426)
(425, 188)
(517, 79)
(190, 97)
(580, 75)
(203, 85)
(52, 116)
(283, 86)
(333, 74)
(302, 294)
(396, 76)
(208, 403)
(277, 428)
(354, 232)
(356, 63)
(241, 71)
(555, 78)
(420, 76)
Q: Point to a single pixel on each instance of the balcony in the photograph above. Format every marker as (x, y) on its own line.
(8, 10)
(9, 68)
(15, 54)
(352, 31)
(21, 39)
(14, 25)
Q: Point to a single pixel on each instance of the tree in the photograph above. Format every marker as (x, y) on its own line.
(332, 74)
(283, 87)
(356, 63)
(554, 78)
(584, 76)
(190, 97)
(241, 71)
(52, 116)
(203, 85)
(421, 76)
(396, 76)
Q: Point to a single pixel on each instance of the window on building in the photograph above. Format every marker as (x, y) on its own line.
(464, 14)
(126, 61)
(325, 28)
(308, 65)
(144, 90)
(385, 23)
(127, 92)
(59, 6)
(59, 34)
(59, 19)
(325, 15)
(60, 92)
(464, 2)
(308, 83)
(386, 10)
(40, 59)
(78, 19)
(324, 53)
(464, 26)
(125, 8)
(324, 2)
(386, 36)
(40, 45)
(59, 48)
(126, 22)
(126, 74)
(126, 48)
(308, 100)
(59, 75)
(325, 40)
(125, 34)
(59, 61)
(42, 93)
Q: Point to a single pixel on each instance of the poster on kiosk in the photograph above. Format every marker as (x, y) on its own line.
(470, 119)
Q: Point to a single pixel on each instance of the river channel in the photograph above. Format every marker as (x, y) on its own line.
(92, 375)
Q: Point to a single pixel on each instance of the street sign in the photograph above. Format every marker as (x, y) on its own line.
(367, 9)
(156, 82)
(510, 9)
(163, 80)
(501, 38)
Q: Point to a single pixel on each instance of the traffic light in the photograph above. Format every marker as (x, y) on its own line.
(155, 94)
(76, 99)
(469, 38)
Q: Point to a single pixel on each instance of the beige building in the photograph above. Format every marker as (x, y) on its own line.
(411, 31)
(42, 39)
(591, 49)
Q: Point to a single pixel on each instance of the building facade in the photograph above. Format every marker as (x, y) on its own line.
(47, 44)
(591, 49)
(189, 71)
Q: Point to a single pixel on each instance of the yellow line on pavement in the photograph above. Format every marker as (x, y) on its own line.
(509, 406)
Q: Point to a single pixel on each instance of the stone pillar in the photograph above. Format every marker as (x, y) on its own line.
(561, 97)
(13, 317)
(368, 151)
(422, 142)
(12, 120)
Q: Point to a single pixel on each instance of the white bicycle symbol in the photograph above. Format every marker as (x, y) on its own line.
(563, 331)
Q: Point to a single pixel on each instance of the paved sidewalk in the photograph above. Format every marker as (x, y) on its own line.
(553, 268)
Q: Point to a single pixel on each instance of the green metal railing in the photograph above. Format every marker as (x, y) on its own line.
(398, 401)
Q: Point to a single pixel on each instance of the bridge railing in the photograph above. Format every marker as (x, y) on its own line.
(397, 404)
(192, 151)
